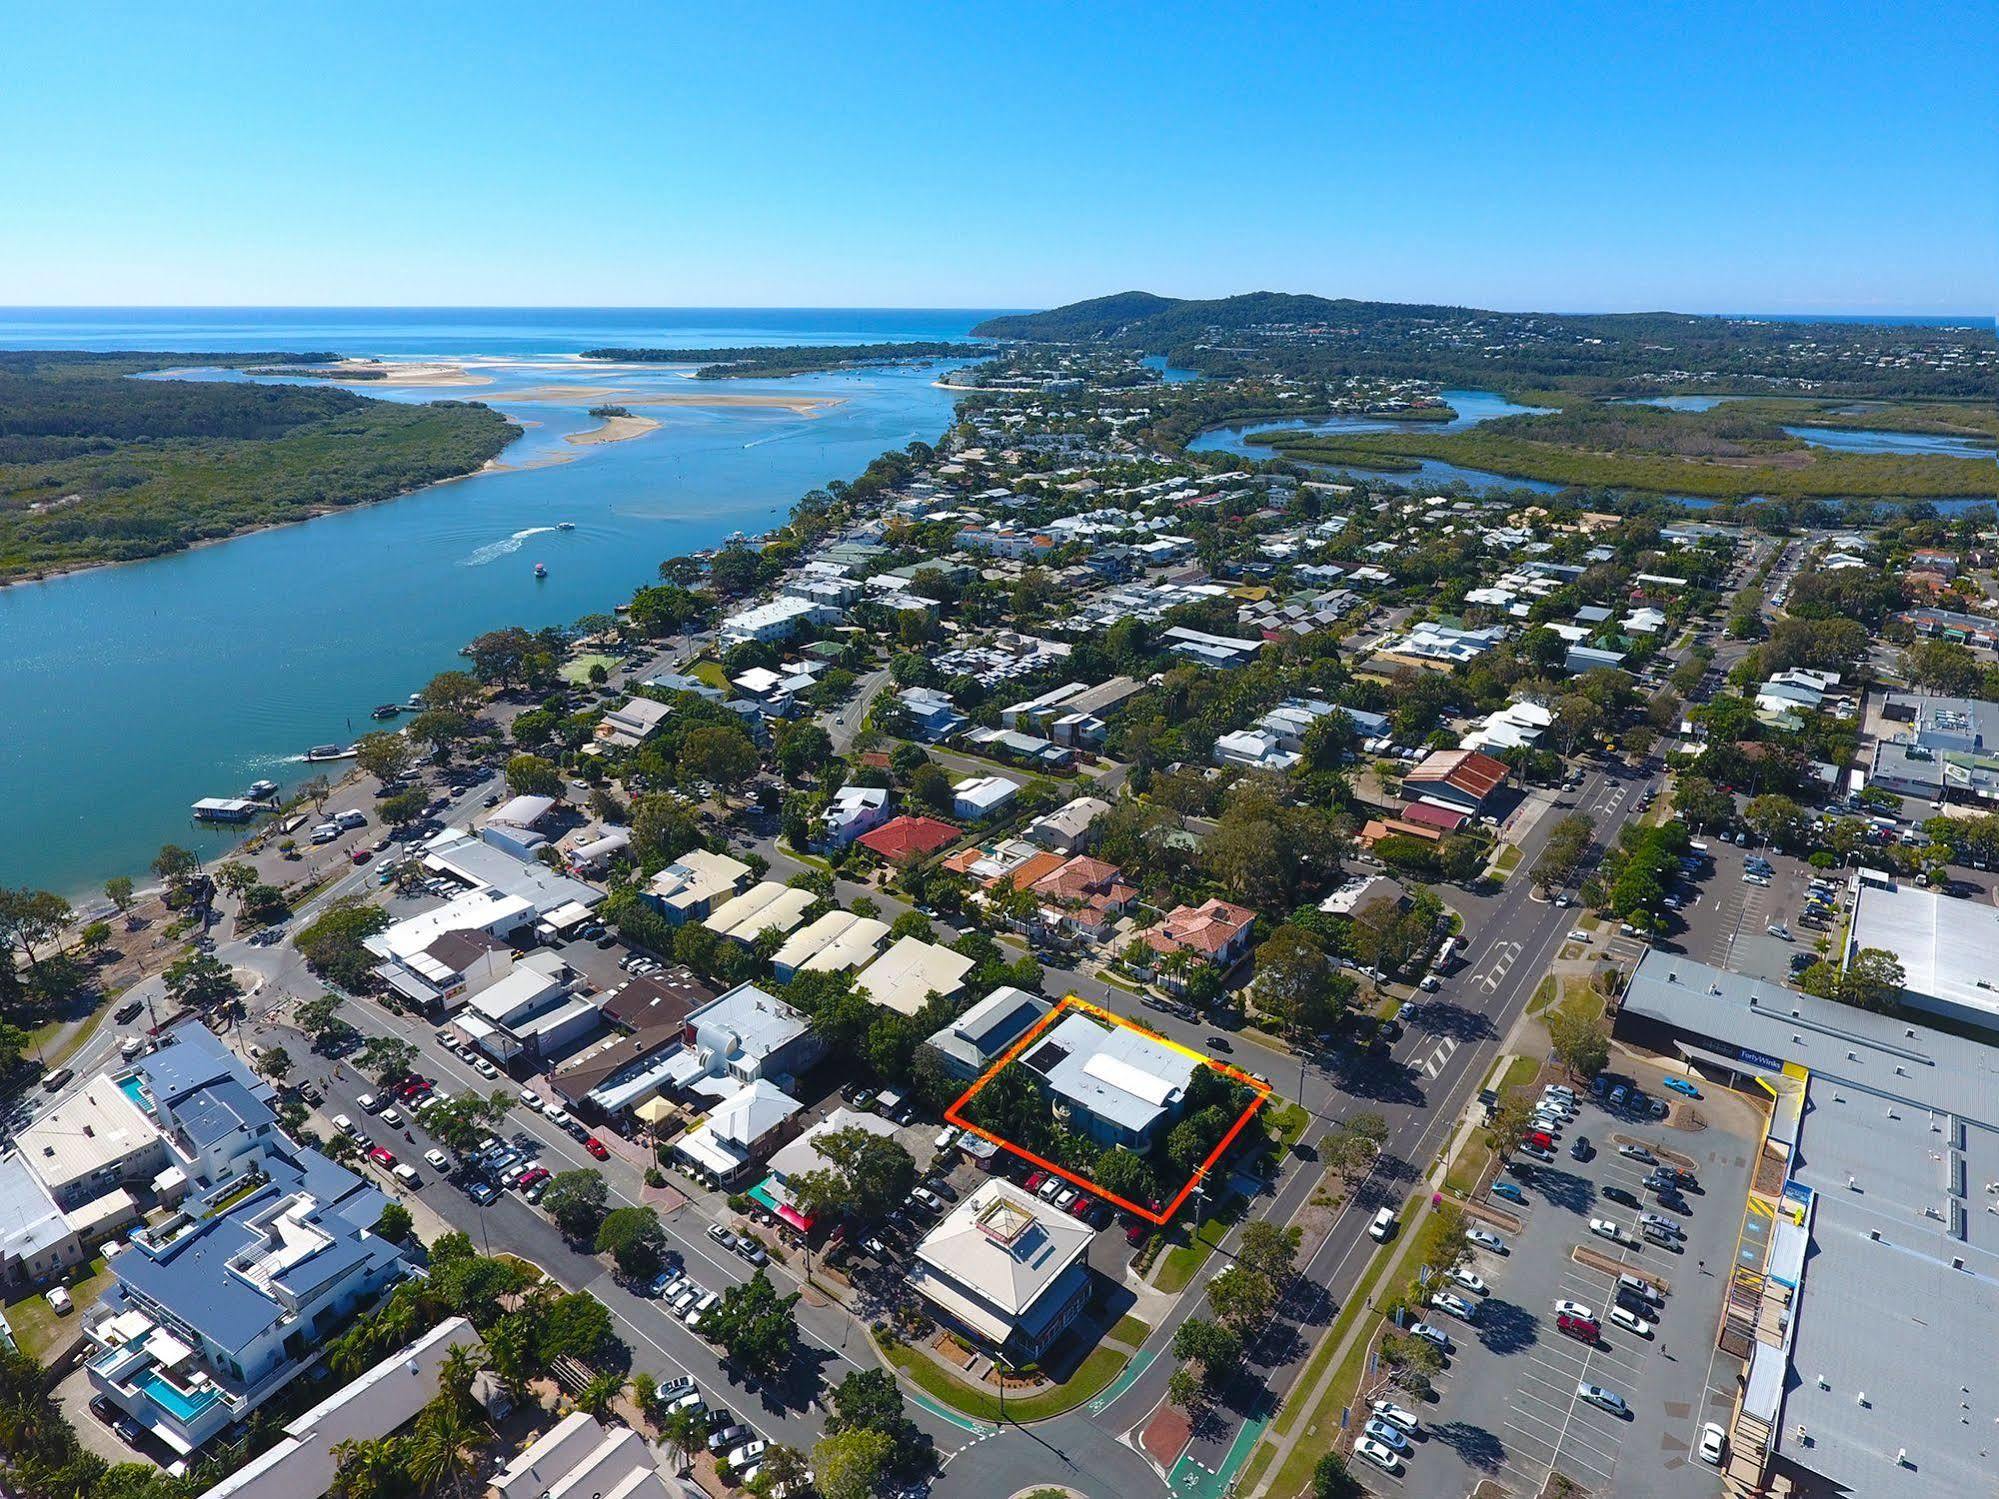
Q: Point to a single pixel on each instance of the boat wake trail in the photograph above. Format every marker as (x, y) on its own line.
(492, 551)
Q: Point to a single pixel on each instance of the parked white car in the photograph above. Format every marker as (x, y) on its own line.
(1604, 1228)
(1624, 1317)
(1382, 1457)
(1565, 1308)
(1486, 1240)
(1388, 1410)
(1468, 1279)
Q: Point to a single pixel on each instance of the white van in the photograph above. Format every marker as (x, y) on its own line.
(407, 1177)
(326, 832)
(370, 1103)
(1383, 1225)
(351, 819)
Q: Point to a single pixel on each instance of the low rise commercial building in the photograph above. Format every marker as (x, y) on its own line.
(1005, 1271)
(835, 943)
(1113, 1084)
(765, 907)
(976, 1039)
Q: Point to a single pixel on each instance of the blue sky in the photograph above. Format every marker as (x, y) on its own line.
(1705, 158)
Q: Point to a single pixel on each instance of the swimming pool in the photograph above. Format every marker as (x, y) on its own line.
(133, 1089)
(176, 1403)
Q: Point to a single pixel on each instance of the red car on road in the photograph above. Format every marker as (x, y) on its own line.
(596, 1147)
(381, 1157)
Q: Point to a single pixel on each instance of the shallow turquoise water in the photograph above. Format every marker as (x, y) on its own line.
(132, 691)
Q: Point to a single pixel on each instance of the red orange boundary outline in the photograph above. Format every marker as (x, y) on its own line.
(1072, 1002)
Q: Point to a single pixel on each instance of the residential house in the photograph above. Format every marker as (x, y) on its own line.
(1215, 931)
(932, 715)
(1086, 896)
(690, 888)
(632, 724)
(764, 907)
(836, 942)
(1067, 828)
(909, 973)
(903, 839)
(981, 796)
(853, 811)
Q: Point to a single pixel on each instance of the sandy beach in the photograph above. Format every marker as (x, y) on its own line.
(367, 372)
(615, 429)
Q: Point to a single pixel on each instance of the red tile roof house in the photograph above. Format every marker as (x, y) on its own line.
(1089, 895)
(1213, 931)
(906, 839)
(1460, 779)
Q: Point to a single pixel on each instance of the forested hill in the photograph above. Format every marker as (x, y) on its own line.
(1604, 354)
(97, 466)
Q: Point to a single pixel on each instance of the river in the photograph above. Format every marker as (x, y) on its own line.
(131, 691)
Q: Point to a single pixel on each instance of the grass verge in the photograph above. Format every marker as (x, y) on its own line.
(1183, 1261)
(1091, 1376)
(1130, 1331)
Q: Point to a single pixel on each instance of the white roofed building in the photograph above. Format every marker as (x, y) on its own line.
(1007, 1271)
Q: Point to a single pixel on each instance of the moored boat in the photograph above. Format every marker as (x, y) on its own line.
(387, 710)
(541, 569)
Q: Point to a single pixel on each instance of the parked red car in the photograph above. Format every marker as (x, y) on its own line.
(381, 1157)
(596, 1147)
(1035, 1180)
(1579, 1328)
(1541, 1138)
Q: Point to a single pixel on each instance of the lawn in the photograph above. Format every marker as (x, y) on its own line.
(37, 1327)
(1470, 1163)
(1285, 1125)
(1095, 1372)
(1184, 1260)
(577, 672)
(711, 672)
(1131, 1331)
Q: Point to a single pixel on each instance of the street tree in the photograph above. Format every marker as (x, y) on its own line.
(577, 1201)
(755, 1326)
(1242, 1298)
(853, 1464)
(634, 1239)
(866, 1175)
(386, 1058)
(383, 755)
(199, 981)
(1580, 1039)
(118, 890)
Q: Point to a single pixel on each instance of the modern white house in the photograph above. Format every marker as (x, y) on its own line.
(981, 797)
(853, 811)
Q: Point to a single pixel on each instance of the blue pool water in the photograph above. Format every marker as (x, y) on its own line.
(177, 1403)
(134, 1090)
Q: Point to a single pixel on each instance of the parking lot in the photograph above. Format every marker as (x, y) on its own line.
(1728, 918)
(1508, 1407)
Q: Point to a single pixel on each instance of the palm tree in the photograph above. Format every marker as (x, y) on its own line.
(510, 1347)
(437, 1457)
(367, 1468)
(596, 1396)
(684, 1435)
(456, 1373)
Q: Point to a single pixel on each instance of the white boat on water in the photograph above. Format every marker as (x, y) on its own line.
(322, 752)
(565, 525)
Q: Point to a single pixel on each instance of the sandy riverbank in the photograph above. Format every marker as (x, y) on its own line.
(371, 372)
(615, 429)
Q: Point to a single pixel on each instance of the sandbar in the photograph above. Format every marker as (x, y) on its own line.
(625, 395)
(615, 429)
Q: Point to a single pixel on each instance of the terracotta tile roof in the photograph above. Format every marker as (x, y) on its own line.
(909, 837)
(1080, 878)
(1379, 828)
(1206, 928)
(1033, 871)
